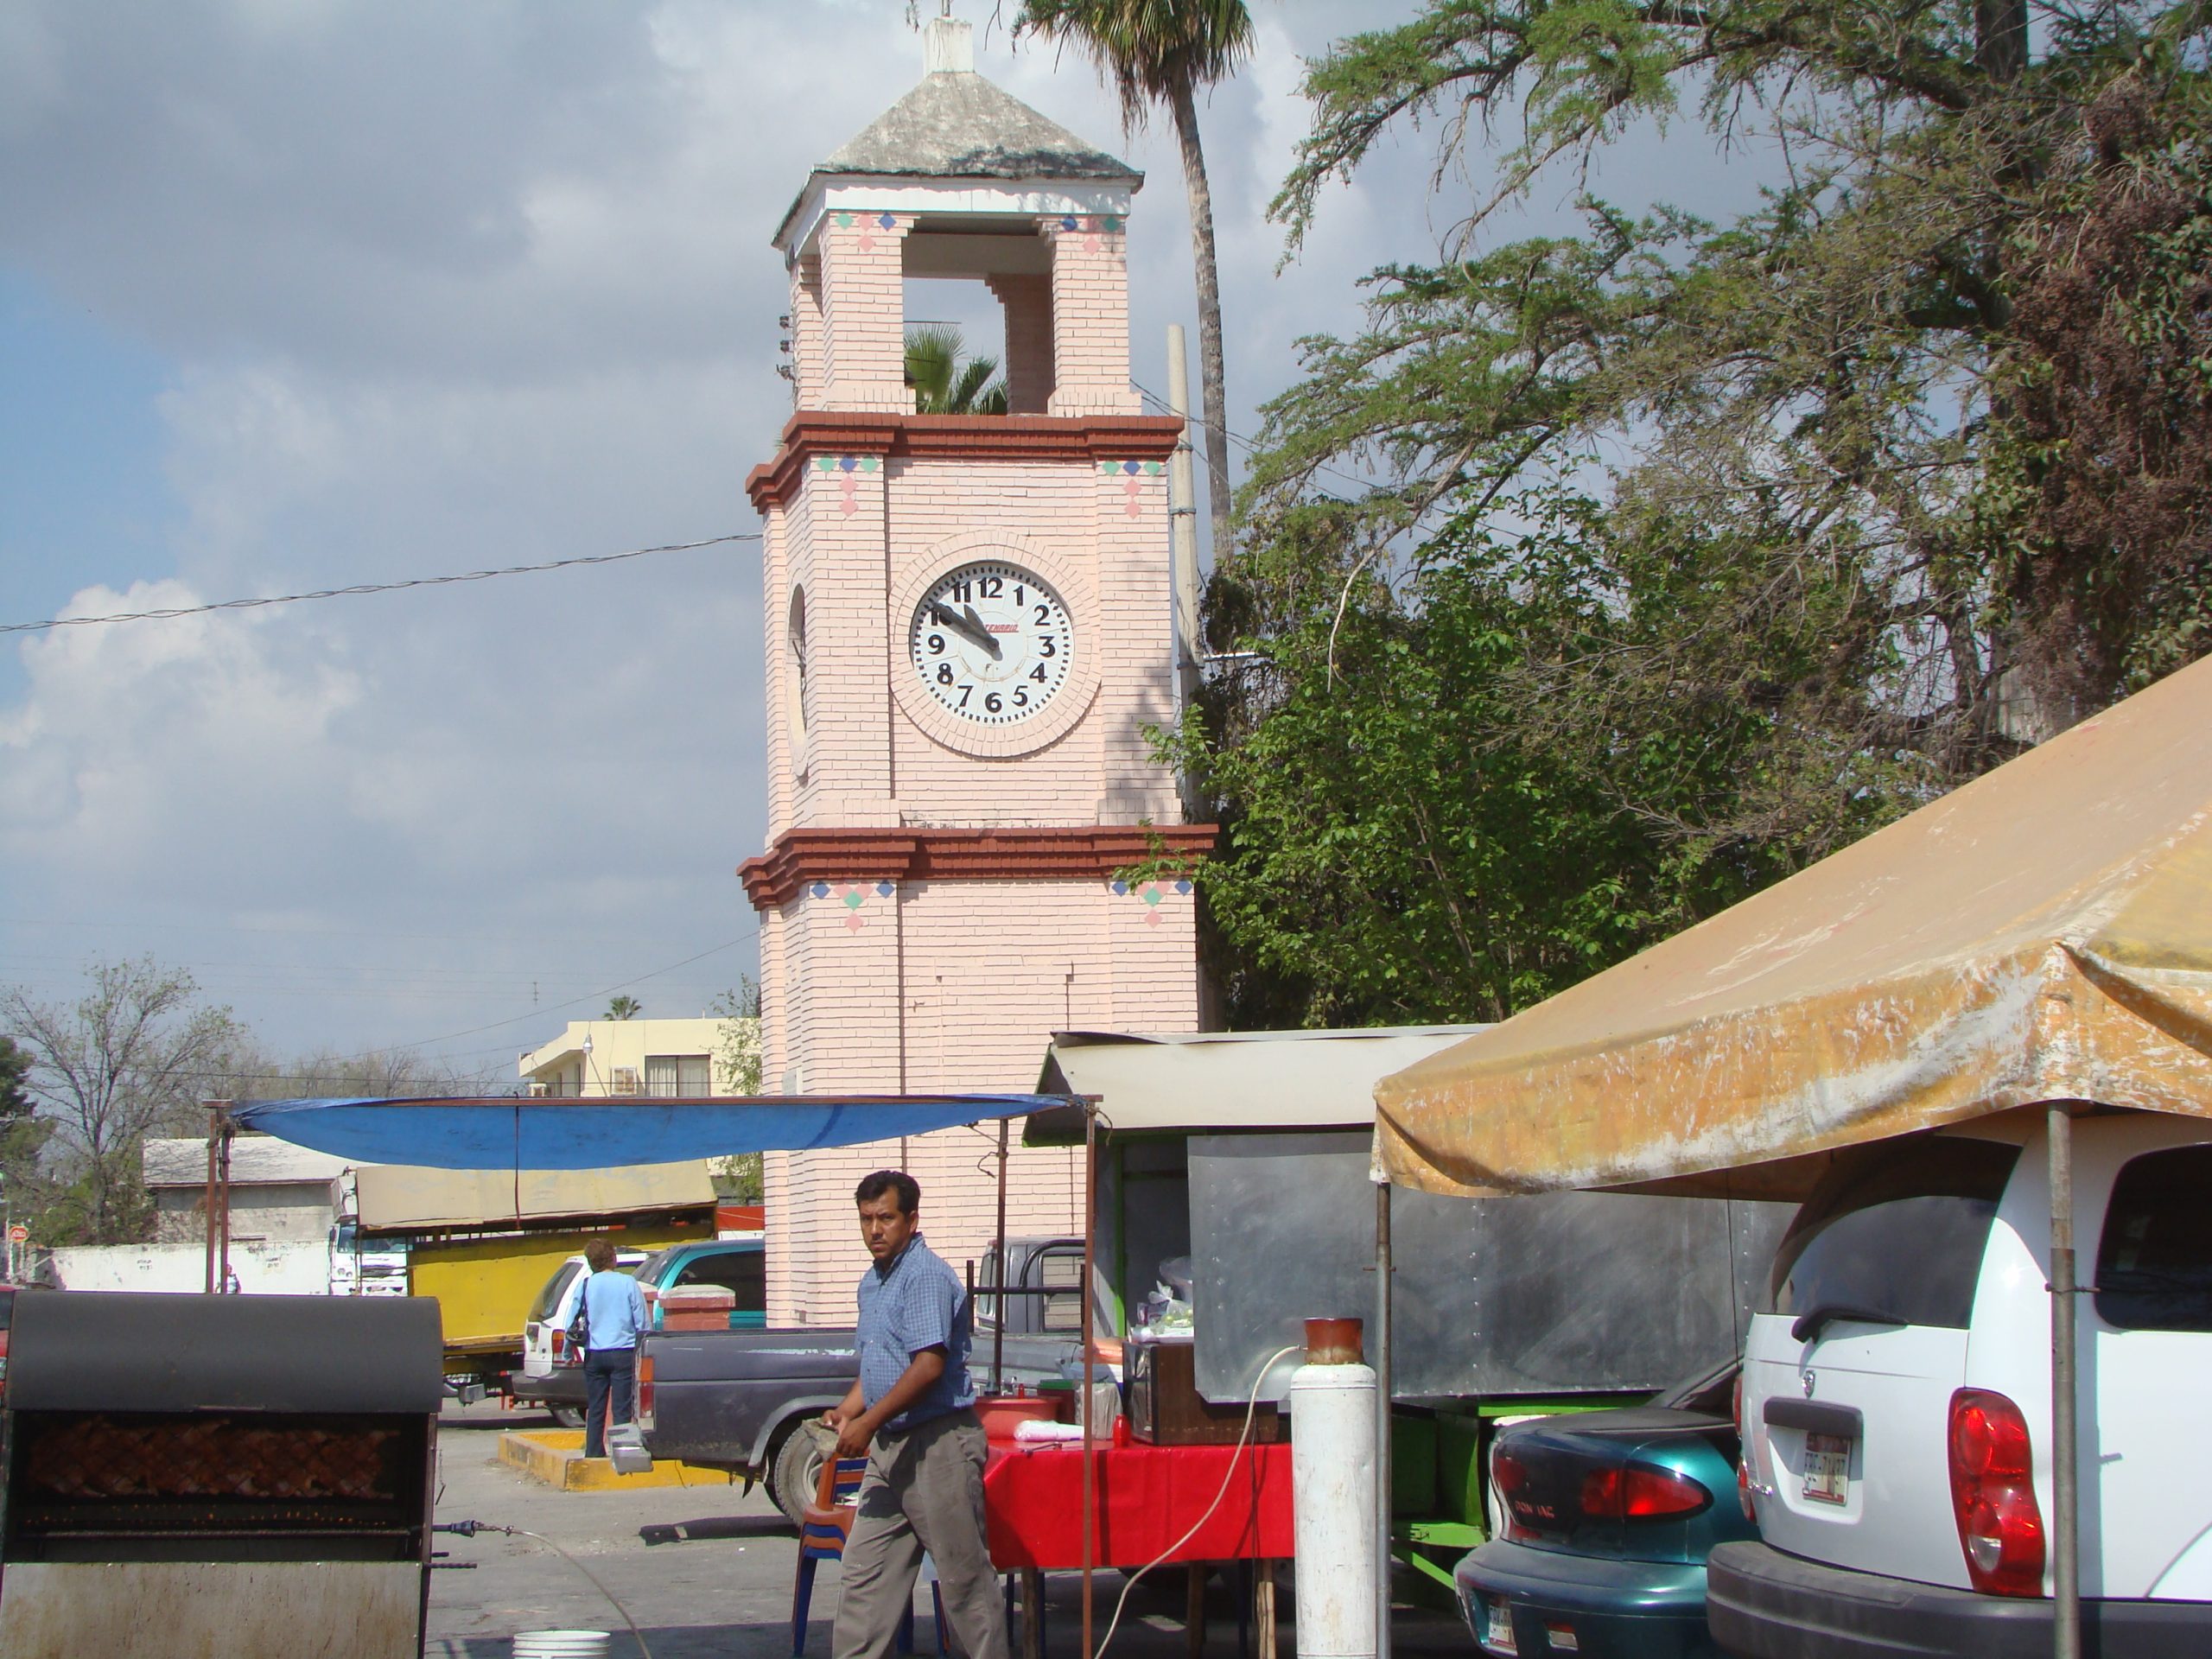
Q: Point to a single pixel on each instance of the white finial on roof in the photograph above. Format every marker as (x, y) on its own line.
(947, 48)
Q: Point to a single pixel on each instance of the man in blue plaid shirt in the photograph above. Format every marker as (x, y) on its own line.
(911, 1413)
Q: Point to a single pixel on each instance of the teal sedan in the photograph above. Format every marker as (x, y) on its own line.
(1606, 1520)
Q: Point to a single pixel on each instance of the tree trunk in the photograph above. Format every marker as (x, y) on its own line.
(1212, 376)
(2000, 29)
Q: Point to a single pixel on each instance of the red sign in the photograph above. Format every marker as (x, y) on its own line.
(19, 1233)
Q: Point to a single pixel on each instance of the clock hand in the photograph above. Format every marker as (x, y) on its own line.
(969, 626)
(982, 632)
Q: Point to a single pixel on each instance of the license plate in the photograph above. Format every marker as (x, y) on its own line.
(1827, 1469)
(1560, 1637)
(1497, 1628)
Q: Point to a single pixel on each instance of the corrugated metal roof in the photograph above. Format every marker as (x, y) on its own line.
(256, 1160)
(1230, 1079)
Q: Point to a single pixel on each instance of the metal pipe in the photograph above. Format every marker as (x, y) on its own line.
(2065, 1581)
(1089, 1265)
(998, 1278)
(1381, 1351)
(1183, 521)
(223, 1173)
(208, 1204)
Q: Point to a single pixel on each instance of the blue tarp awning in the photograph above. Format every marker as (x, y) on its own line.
(532, 1132)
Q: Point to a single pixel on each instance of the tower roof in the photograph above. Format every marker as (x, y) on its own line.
(955, 125)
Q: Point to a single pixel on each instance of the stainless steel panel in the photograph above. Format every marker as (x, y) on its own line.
(1569, 1292)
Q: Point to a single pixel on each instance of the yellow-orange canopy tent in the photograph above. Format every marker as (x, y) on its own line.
(2043, 933)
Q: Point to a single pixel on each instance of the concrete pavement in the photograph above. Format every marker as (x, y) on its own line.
(706, 1570)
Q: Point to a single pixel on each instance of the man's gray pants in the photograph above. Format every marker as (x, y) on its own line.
(923, 1490)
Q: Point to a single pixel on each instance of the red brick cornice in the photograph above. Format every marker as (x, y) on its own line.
(801, 856)
(959, 437)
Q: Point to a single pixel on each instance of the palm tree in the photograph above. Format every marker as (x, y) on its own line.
(1162, 51)
(944, 383)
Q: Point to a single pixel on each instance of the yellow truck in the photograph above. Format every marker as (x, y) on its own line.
(482, 1242)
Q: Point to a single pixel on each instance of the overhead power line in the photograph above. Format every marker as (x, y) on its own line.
(348, 592)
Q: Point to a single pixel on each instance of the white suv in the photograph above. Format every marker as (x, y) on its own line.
(1896, 1405)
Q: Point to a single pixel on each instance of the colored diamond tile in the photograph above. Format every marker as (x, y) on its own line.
(825, 463)
(1132, 466)
(1152, 895)
(854, 923)
(820, 889)
(1182, 887)
(854, 898)
(886, 221)
(1152, 919)
(1120, 887)
(1155, 467)
(848, 462)
(844, 221)
(869, 463)
(1068, 222)
(884, 889)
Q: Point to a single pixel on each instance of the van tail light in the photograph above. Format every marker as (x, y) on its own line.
(643, 1405)
(1637, 1493)
(1994, 1494)
(560, 1343)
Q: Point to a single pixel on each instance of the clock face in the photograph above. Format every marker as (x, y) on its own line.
(992, 642)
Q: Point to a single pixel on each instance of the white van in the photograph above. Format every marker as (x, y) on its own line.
(1896, 1409)
(550, 1375)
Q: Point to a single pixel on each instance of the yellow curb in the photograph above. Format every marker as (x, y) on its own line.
(556, 1458)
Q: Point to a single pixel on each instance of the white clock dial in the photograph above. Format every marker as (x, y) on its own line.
(992, 642)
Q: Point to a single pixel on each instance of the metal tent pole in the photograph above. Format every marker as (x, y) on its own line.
(1090, 1264)
(1383, 1268)
(998, 1278)
(2065, 1581)
(208, 1204)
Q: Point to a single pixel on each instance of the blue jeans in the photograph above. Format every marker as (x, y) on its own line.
(607, 1371)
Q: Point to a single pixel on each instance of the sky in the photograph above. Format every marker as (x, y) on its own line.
(305, 294)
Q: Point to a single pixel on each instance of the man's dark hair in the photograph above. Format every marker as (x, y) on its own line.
(897, 1181)
(599, 1254)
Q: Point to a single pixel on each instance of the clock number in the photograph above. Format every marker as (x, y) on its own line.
(964, 691)
(936, 644)
(1018, 599)
(1038, 672)
(989, 587)
(1044, 616)
(1046, 648)
(991, 703)
(1020, 697)
(944, 673)
(960, 591)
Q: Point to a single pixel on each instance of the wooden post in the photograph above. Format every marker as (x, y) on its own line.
(1194, 1609)
(1263, 1610)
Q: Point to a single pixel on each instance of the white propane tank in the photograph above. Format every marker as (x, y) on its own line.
(1332, 1475)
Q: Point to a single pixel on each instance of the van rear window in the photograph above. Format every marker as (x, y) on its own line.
(1898, 1227)
(2154, 1262)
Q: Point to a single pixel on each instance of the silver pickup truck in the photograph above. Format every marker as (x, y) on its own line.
(747, 1401)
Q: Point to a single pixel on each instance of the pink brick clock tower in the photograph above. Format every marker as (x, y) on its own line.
(970, 625)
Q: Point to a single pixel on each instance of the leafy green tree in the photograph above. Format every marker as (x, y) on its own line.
(742, 1177)
(947, 382)
(1164, 51)
(1688, 553)
(133, 1056)
(624, 1007)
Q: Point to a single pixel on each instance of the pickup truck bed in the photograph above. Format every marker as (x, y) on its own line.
(741, 1399)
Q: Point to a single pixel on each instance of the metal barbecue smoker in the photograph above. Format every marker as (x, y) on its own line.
(250, 1476)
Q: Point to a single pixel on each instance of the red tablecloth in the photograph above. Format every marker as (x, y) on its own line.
(1147, 1497)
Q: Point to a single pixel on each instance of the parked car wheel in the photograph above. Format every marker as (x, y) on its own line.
(795, 1468)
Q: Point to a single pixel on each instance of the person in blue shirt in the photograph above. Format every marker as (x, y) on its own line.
(911, 1414)
(614, 1312)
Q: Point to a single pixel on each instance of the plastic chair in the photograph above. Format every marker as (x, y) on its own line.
(825, 1526)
